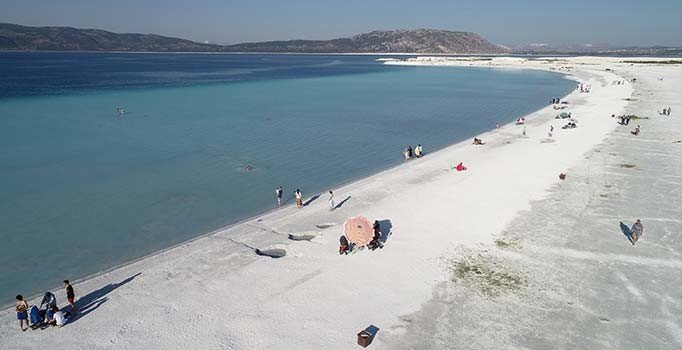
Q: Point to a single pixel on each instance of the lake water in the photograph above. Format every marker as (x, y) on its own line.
(83, 189)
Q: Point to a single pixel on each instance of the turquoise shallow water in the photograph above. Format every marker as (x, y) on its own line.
(84, 190)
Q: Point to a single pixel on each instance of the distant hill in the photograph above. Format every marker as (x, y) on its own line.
(426, 41)
(16, 37)
(393, 41)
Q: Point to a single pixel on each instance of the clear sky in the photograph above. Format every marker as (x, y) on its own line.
(507, 22)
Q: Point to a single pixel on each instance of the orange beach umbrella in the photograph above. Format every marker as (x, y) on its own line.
(358, 230)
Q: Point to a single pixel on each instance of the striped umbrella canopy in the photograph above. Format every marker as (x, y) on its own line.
(358, 230)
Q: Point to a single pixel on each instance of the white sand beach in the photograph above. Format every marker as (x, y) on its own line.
(504, 255)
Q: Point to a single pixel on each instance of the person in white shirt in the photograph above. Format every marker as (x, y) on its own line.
(299, 198)
(331, 200)
(59, 319)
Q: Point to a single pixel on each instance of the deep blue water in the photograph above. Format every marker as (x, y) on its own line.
(84, 189)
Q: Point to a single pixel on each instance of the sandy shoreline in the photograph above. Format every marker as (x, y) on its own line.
(213, 292)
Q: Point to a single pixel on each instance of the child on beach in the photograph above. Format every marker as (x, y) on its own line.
(22, 312)
(299, 198)
(70, 295)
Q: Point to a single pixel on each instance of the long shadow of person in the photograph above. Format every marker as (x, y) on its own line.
(93, 300)
(626, 231)
(341, 203)
(386, 230)
(312, 199)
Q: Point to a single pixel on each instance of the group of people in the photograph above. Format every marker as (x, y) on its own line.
(570, 125)
(48, 313)
(409, 153)
(584, 87)
(478, 142)
(120, 111)
(666, 111)
(556, 101)
(624, 120)
(346, 247)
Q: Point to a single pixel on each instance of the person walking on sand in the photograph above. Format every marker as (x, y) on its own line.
(22, 312)
(331, 200)
(278, 193)
(551, 129)
(299, 198)
(70, 295)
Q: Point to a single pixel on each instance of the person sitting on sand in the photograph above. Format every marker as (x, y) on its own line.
(22, 312)
(376, 239)
(344, 246)
(636, 131)
(636, 231)
(460, 167)
(478, 141)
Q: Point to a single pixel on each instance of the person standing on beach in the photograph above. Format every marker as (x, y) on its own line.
(524, 130)
(70, 295)
(551, 129)
(299, 198)
(278, 192)
(331, 200)
(497, 126)
(419, 152)
(22, 312)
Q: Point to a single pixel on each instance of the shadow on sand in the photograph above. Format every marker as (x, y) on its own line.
(341, 203)
(312, 199)
(626, 231)
(90, 302)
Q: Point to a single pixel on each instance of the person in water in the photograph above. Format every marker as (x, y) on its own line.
(418, 151)
(278, 192)
(22, 312)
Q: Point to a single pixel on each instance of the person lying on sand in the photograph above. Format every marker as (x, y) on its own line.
(460, 167)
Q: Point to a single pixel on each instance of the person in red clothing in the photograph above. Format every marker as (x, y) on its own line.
(70, 295)
(460, 167)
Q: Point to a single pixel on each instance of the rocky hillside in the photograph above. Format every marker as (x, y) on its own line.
(16, 37)
(394, 41)
(426, 41)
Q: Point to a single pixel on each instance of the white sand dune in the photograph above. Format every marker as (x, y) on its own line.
(216, 293)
